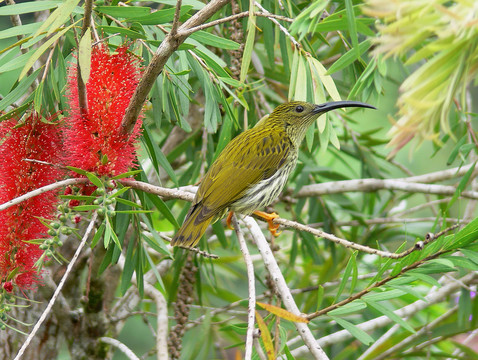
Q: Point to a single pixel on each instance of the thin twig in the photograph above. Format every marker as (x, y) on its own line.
(251, 309)
(407, 311)
(349, 244)
(369, 185)
(236, 17)
(42, 190)
(161, 321)
(47, 310)
(282, 288)
(282, 28)
(174, 28)
(120, 346)
(382, 282)
(422, 331)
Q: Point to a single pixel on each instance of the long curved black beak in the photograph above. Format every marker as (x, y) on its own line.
(323, 108)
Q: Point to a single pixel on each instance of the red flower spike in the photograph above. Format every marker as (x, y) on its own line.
(8, 286)
(19, 223)
(94, 141)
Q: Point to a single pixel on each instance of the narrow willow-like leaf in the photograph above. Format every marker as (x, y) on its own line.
(349, 57)
(355, 331)
(28, 7)
(98, 235)
(282, 313)
(390, 314)
(249, 45)
(213, 40)
(349, 308)
(265, 336)
(130, 12)
(346, 275)
(39, 52)
(84, 55)
(19, 90)
(19, 30)
(352, 27)
(94, 180)
(57, 17)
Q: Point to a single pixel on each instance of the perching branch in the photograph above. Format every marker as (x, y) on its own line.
(282, 288)
(251, 309)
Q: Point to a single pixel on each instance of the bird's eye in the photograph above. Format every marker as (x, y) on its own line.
(299, 108)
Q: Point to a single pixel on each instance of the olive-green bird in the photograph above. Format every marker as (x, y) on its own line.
(253, 168)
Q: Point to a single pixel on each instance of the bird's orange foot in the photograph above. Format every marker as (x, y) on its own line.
(269, 218)
(229, 219)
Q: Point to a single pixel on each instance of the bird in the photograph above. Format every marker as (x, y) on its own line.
(253, 168)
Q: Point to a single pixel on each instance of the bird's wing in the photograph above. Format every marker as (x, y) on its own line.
(252, 156)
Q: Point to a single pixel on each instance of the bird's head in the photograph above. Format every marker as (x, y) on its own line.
(297, 116)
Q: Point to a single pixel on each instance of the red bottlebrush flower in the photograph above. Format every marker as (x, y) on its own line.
(94, 141)
(8, 286)
(19, 223)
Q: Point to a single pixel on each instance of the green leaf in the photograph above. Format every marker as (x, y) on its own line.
(249, 44)
(472, 255)
(39, 52)
(159, 17)
(461, 186)
(415, 274)
(18, 91)
(159, 244)
(131, 34)
(19, 30)
(346, 274)
(98, 235)
(158, 157)
(94, 180)
(355, 331)
(77, 170)
(383, 295)
(352, 26)
(58, 17)
(129, 266)
(213, 40)
(390, 314)
(163, 209)
(349, 57)
(28, 7)
(84, 55)
(124, 11)
(349, 308)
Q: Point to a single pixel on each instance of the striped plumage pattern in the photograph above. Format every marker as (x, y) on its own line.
(252, 169)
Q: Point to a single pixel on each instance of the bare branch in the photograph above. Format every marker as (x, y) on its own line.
(368, 185)
(120, 346)
(161, 321)
(42, 190)
(282, 288)
(58, 289)
(251, 309)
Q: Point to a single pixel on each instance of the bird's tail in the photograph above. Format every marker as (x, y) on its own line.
(192, 229)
